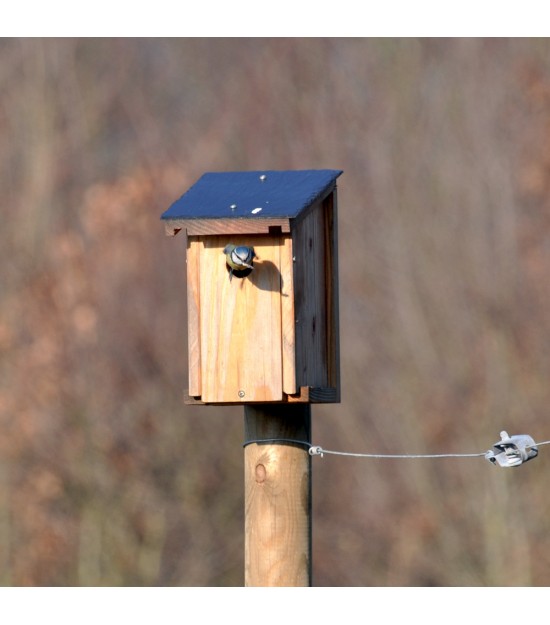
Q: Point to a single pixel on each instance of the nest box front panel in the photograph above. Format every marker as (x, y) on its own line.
(236, 327)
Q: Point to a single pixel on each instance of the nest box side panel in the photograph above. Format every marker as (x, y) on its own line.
(240, 324)
(316, 299)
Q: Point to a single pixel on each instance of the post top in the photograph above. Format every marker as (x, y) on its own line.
(253, 195)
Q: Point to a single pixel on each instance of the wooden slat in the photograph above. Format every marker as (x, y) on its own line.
(241, 324)
(198, 227)
(330, 209)
(193, 315)
(310, 300)
(305, 395)
(315, 395)
(287, 317)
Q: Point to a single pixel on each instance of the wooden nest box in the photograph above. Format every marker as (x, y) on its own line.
(270, 334)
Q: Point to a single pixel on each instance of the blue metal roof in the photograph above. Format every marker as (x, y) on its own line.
(252, 194)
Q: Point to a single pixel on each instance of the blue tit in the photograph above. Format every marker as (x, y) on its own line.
(239, 258)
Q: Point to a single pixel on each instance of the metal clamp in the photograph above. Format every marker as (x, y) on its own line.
(512, 451)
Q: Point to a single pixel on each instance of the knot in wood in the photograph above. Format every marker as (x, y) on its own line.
(261, 473)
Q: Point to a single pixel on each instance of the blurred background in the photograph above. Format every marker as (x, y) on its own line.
(106, 477)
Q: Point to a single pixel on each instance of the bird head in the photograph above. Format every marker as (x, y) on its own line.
(239, 258)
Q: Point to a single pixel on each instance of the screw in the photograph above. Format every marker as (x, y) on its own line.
(233, 207)
(241, 394)
(263, 177)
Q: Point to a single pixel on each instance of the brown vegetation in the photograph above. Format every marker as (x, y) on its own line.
(106, 478)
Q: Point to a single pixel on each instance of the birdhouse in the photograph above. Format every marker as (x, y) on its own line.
(266, 330)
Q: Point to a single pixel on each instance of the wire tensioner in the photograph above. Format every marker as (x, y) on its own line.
(511, 451)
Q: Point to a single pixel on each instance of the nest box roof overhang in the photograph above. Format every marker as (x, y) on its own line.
(248, 202)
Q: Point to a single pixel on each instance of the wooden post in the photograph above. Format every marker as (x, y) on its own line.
(277, 495)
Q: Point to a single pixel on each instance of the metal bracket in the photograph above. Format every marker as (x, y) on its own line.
(511, 451)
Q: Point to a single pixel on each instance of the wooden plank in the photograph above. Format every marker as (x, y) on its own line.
(330, 209)
(193, 315)
(287, 317)
(305, 395)
(308, 241)
(198, 227)
(315, 395)
(277, 496)
(241, 324)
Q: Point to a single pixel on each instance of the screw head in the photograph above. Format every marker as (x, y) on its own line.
(233, 207)
(263, 177)
(241, 394)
